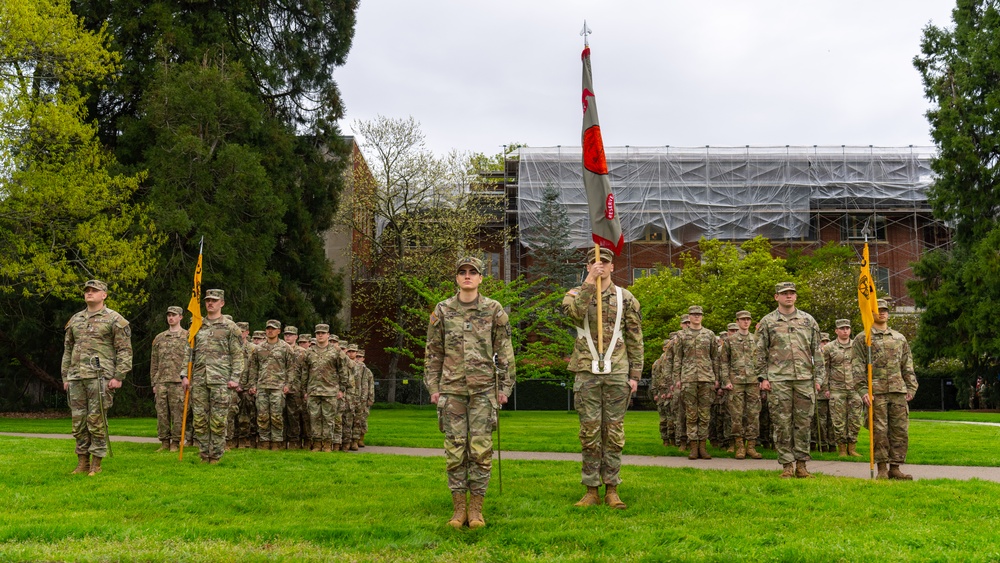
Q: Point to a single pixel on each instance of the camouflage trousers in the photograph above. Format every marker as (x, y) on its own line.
(791, 407)
(666, 420)
(338, 421)
(169, 399)
(246, 421)
(766, 437)
(347, 418)
(467, 422)
(744, 410)
(698, 397)
(270, 415)
(601, 402)
(232, 414)
(680, 418)
(822, 430)
(845, 412)
(85, 399)
(322, 410)
(720, 427)
(210, 404)
(357, 429)
(296, 418)
(892, 424)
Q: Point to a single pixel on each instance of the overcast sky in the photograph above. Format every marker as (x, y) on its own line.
(478, 74)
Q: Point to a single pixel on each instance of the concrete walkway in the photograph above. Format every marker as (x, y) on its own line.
(859, 470)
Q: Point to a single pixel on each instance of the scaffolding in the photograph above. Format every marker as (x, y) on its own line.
(670, 197)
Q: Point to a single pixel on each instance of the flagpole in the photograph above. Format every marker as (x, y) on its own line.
(600, 318)
(871, 396)
(194, 305)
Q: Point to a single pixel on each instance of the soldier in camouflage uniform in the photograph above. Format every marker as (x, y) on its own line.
(367, 396)
(660, 390)
(246, 419)
(469, 373)
(894, 384)
(271, 366)
(323, 373)
(720, 428)
(259, 337)
(790, 365)
(350, 401)
(677, 398)
(218, 363)
(295, 408)
(305, 342)
(697, 367)
(604, 382)
(845, 402)
(738, 354)
(166, 362)
(361, 399)
(823, 424)
(236, 396)
(96, 359)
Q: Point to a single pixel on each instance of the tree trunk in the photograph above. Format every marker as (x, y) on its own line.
(30, 365)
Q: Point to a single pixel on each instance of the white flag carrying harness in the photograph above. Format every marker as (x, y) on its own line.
(615, 337)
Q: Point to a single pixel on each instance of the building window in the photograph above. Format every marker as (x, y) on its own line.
(935, 235)
(492, 264)
(881, 276)
(654, 235)
(854, 227)
(642, 273)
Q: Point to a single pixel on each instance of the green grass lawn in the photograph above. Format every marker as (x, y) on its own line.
(931, 442)
(303, 506)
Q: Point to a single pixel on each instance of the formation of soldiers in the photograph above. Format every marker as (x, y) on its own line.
(718, 388)
(298, 391)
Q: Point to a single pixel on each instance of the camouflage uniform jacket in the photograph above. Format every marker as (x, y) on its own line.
(366, 392)
(788, 348)
(739, 352)
(218, 352)
(892, 363)
(295, 385)
(96, 344)
(248, 348)
(169, 357)
(839, 376)
(353, 390)
(462, 340)
(663, 369)
(324, 371)
(627, 357)
(271, 365)
(697, 358)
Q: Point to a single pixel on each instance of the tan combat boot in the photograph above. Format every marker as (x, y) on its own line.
(336, 447)
(800, 470)
(175, 446)
(95, 466)
(460, 516)
(213, 461)
(842, 450)
(361, 442)
(788, 470)
(895, 473)
(354, 446)
(263, 445)
(851, 451)
(244, 442)
(164, 446)
(83, 464)
(476, 511)
(612, 499)
(277, 445)
(731, 448)
(741, 451)
(883, 471)
(589, 499)
(326, 446)
(230, 444)
(752, 450)
(703, 450)
(683, 447)
(316, 445)
(693, 454)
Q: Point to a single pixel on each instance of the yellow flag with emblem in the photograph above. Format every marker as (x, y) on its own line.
(194, 305)
(867, 300)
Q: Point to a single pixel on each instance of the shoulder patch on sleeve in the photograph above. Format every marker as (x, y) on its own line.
(434, 317)
(574, 292)
(502, 318)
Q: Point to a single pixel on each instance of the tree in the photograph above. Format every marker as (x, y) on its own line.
(960, 69)
(833, 278)
(426, 214)
(557, 265)
(65, 216)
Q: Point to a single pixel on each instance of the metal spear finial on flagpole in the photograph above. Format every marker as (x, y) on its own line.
(585, 32)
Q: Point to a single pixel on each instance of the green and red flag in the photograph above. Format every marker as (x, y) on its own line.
(867, 301)
(604, 221)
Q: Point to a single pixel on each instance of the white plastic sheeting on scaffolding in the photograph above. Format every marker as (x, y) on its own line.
(723, 192)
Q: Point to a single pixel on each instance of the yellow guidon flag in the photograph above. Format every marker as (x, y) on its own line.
(194, 305)
(866, 297)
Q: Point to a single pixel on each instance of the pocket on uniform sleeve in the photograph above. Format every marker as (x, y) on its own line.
(441, 404)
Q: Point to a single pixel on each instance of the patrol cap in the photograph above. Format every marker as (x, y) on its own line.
(883, 304)
(290, 329)
(841, 323)
(273, 323)
(175, 310)
(469, 261)
(96, 284)
(685, 319)
(243, 325)
(305, 337)
(824, 336)
(606, 256)
(321, 328)
(732, 326)
(351, 347)
(722, 333)
(361, 353)
(258, 334)
(695, 310)
(743, 315)
(782, 287)
(215, 294)
(334, 338)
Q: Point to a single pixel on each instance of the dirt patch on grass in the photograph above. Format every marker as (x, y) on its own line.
(40, 414)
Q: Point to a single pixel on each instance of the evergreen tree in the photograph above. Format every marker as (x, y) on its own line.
(553, 260)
